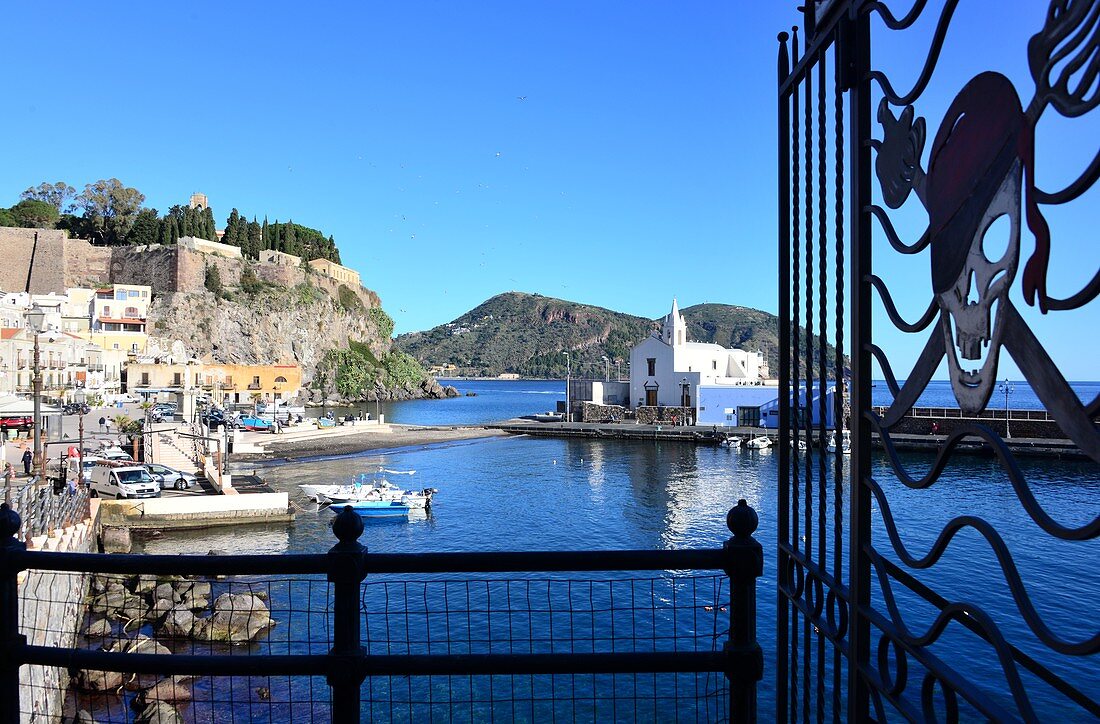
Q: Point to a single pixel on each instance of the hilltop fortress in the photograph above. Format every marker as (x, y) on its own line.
(41, 261)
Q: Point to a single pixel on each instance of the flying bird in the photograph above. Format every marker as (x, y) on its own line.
(521, 98)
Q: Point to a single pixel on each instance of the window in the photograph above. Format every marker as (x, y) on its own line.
(652, 363)
(177, 379)
(280, 378)
(131, 312)
(144, 295)
(750, 416)
(255, 379)
(106, 310)
(120, 295)
(144, 377)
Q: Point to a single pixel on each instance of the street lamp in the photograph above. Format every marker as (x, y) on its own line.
(1006, 389)
(568, 370)
(606, 369)
(36, 318)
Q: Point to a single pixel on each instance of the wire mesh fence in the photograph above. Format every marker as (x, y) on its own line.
(281, 616)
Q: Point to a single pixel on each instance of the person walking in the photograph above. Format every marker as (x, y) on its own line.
(108, 424)
(102, 424)
(9, 479)
(28, 458)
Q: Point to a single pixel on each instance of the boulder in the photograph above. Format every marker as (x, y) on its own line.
(166, 591)
(145, 584)
(98, 629)
(237, 618)
(84, 717)
(161, 606)
(140, 644)
(179, 623)
(110, 601)
(172, 689)
(98, 681)
(158, 712)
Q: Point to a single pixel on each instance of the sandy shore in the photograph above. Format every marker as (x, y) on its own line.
(400, 436)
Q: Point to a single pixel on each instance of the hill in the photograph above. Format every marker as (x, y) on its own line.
(526, 334)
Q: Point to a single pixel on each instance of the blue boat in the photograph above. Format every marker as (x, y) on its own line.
(376, 508)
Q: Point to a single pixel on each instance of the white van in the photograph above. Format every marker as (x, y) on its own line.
(122, 481)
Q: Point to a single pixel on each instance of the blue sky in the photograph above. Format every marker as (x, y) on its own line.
(617, 154)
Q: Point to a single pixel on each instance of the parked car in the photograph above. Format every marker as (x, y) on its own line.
(115, 454)
(179, 479)
(16, 422)
(122, 481)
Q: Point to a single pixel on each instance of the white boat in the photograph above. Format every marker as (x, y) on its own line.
(386, 491)
(731, 441)
(802, 447)
(758, 443)
(549, 417)
(845, 443)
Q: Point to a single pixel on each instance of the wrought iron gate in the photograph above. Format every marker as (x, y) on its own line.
(870, 622)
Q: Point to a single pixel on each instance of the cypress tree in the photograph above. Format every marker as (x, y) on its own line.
(173, 230)
(232, 230)
(254, 240)
(264, 237)
(291, 239)
(209, 228)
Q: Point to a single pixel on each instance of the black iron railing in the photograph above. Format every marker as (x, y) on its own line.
(341, 624)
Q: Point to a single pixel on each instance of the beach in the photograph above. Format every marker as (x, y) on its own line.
(369, 439)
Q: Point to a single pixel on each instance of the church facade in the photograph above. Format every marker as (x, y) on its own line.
(668, 370)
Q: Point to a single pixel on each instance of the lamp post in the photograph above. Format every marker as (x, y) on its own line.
(606, 369)
(35, 319)
(684, 394)
(568, 370)
(1006, 389)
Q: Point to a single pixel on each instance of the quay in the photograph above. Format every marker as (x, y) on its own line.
(709, 435)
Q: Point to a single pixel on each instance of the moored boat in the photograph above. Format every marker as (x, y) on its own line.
(845, 443)
(377, 508)
(758, 443)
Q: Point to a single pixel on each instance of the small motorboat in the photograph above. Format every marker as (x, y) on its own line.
(800, 445)
(730, 441)
(845, 443)
(254, 423)
(548, 417)
(759, 442)
(377, 508)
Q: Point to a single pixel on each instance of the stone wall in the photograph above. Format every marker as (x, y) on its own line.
(53, 265)
(663, 415)
(50, 612)
(594, 412)
(922, 422)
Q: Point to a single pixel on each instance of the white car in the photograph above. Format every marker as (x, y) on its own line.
(123, 481)
(170, 477)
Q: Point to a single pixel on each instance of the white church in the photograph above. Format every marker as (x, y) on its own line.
(668, 370)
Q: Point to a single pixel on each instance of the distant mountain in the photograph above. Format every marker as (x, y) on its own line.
(526, 334)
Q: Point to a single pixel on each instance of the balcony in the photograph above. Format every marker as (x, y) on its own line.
(255, 386)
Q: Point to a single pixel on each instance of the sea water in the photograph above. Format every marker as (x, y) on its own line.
(521, 493)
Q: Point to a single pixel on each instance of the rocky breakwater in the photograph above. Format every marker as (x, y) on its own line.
(152, 615)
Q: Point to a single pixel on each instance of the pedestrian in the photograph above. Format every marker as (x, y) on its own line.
(102, 424)
(72, 485)
(28, 458)
(108, 424)
(9, 478)
(935, 428)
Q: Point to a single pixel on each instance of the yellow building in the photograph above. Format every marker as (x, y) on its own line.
(220, 382)
(331, 269)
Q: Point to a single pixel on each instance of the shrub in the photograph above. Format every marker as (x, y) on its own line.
(382, 321)
(213, 281)
(349, 300)
(250, 283)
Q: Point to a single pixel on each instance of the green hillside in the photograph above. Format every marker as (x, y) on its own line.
(526, 334)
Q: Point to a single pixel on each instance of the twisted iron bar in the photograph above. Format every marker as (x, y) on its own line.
(1008, 462)
(1004, 557)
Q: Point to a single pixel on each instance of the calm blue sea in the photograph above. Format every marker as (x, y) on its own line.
(497, 400)
(556, 494)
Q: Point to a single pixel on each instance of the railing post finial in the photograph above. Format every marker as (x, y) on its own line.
(347, 526)
(744, 564)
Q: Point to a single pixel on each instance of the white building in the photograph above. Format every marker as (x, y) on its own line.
(667, 370)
